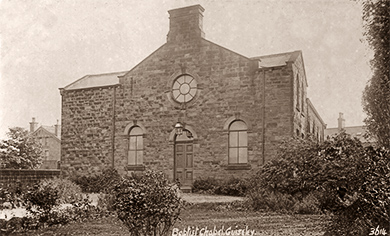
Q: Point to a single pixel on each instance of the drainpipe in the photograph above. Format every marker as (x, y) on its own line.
(263, 154)
(113, 126)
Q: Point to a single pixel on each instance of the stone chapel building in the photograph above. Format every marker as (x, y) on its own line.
(191, 109)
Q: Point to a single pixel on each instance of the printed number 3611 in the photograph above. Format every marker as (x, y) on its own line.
(378, 231)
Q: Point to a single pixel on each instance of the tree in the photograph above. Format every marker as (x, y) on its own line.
(376, 96)
(19, 151)
(349, 180)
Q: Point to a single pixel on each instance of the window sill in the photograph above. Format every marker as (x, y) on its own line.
(238, 167)
(135, 168)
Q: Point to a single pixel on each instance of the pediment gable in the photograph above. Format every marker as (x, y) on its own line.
(42, 131)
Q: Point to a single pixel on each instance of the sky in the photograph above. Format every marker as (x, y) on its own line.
(47, 44)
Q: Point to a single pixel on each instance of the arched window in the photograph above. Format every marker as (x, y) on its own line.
(135, 154)
(238, 142)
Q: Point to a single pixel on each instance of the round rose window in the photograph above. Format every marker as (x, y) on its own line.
(184, 88)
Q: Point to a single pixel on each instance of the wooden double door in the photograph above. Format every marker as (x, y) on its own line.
(184, 163)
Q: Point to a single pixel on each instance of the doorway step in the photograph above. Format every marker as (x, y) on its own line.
(186, 189)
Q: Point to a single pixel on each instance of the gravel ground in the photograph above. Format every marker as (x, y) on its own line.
(201, 198)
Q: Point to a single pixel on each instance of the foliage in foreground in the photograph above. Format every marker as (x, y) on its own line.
(19, 151)
(230, 187)
(68, 192)
(11, 195)
(98, 183)
(42, 202)
(348, 180)
(376, 95)
(147, 204)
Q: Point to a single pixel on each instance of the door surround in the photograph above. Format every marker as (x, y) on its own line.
(173, 142)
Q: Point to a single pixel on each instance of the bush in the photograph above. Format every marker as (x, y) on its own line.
(98, 183)
(12, 195)
(231, 187)
(346, 179)
(68, 191)
(260, 199)
(205, 185)
(44, 199)
(308, 205)
(368, 207)
(106, 203)
(41, 200)
(148, 204)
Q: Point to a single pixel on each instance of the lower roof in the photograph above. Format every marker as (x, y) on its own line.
(98, 80)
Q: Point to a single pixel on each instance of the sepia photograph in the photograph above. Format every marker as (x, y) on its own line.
(195, 117)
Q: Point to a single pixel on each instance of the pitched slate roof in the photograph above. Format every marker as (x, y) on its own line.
(355, 131)
(98, 80)
(48, 129)
(280, 59)
(52, 129)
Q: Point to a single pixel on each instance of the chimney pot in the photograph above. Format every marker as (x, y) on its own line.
(341, 121)
(56, 128)
(33, 125)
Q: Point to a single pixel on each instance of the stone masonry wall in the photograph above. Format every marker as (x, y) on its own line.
(227, 88)
(315, 127)
(86, 130)
(278, 104)
(300, 112)
(11, 176)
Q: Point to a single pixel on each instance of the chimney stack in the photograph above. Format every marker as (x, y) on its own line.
(33, 125)
(56, 128)
(341, 121)
(186, 23)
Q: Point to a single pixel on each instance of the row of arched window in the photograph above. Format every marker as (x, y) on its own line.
(238, 144)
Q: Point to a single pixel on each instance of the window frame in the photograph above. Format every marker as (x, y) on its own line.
(137, 163)
(178, 95)
(239, 146)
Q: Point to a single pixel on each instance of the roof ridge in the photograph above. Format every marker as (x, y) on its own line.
(276, 54)
(109, 73)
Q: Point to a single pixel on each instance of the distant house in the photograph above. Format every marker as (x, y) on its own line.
(355, 131)
(50, 139)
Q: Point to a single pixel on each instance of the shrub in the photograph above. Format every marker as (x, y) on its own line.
(68, 191)
(106, 203)
(41, 200)
(12, 195)
(147, 205)
(308, 205)
(231, 187)
(44, 199)
(348, 180)
(260, 199)
(205, 185)
(368, 207)
(98, 183)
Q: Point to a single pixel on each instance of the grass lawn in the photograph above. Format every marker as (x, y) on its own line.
(206, 215)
